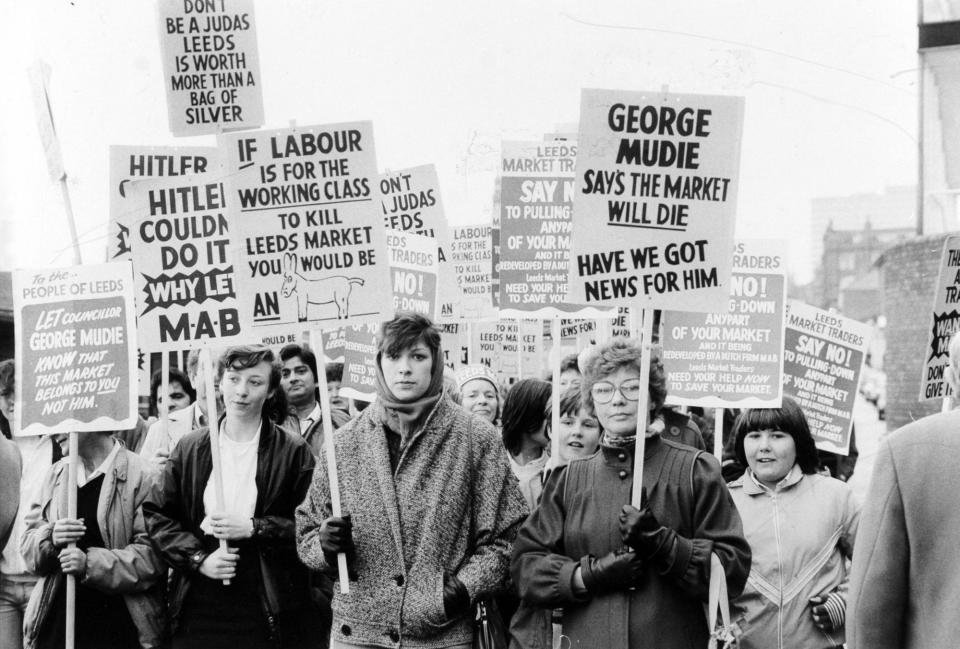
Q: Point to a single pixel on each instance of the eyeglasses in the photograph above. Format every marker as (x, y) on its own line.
(603, 391)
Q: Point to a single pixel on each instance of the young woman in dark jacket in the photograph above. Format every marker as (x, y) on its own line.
(266, 474)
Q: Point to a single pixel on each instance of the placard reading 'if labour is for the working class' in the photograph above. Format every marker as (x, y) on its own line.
(211, 66)
(472, 250)
(732, 359)
(76, 349)
(944, 323)
(306, 230)
(653, 217)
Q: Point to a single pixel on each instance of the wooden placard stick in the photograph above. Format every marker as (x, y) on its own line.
(327, 422)
(643, 403)
(213, 423)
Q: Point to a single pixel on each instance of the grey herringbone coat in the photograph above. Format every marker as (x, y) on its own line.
(452, 505)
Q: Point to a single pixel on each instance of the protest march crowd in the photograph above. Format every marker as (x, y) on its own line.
(677, 485)
(456, 518)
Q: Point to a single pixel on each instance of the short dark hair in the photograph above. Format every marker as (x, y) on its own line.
(176, 375)
(294, 350)
(524, 411)
(8, 373)
(569, 363)
(405, 330)
(788, 418)
(241, 357)
(571, 401)
(623, 352)
(334, 372)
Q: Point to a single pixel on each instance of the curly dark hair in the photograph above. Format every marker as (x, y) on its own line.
(622, 352)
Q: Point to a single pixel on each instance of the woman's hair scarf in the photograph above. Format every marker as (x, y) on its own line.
(402, 416)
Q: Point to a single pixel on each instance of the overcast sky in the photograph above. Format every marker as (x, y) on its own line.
(830, 93)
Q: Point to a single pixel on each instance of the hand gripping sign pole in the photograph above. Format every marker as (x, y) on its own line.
(214, 432)
(643, 404)
(327, 423)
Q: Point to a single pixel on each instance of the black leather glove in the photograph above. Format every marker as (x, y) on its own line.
(456, 599)
(336, 535)
(640, 530)
(611, 573)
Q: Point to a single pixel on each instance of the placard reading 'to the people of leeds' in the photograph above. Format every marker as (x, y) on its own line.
(653, 217)
(76, 349)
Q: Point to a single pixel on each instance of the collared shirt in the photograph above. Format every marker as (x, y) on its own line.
(310, 420)
(793, 477)
(105, 466)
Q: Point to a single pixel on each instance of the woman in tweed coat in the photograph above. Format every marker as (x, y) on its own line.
(432, 506)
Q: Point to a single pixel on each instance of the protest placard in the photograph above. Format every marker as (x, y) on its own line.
(472, 250)
(944, 323)
(413, 271)
(305, 227)
(411, 202)
(496, 345)
(732, 359)
(76, 349)
(211, 65)
(186, 285)
(360, 362)
(453, 343)
(333, 341)
(536, 197)
(653, 216)
(620, 325)
(128, 163)
(822, 358)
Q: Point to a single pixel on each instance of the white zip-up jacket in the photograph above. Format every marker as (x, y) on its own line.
(801, 535)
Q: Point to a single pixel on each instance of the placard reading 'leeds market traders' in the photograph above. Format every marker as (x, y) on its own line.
(411, 202)
(413, 271)
(76, 349)
(822, 358)
(185, 276)
(732, 359)
(305, 227)
(536, 197)
(944, 323)
(653, 217)
(211, 66)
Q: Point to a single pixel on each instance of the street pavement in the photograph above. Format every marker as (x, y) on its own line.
(870, 430)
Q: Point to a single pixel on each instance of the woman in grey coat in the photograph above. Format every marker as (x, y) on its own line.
(433, 507)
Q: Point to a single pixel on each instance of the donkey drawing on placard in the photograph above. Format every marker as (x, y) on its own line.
(334, 289)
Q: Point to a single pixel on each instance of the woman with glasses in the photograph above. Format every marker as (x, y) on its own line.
(625, 576)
